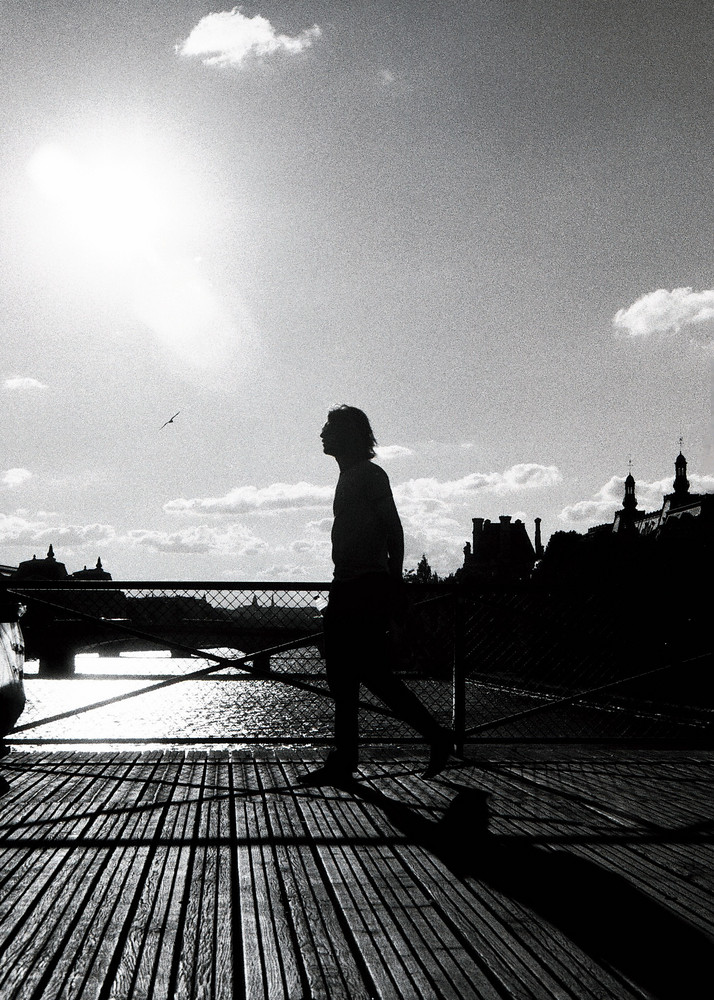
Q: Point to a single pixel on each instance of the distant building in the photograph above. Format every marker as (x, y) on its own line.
(681, 511)
(500, 552)
(49, 569)
(41, 569)
(98, 573)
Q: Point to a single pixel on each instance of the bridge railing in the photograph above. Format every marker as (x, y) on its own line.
(509, 663)
(282, 692)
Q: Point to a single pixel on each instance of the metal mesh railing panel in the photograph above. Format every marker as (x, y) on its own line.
(543, 665)
(288, 700)
(517, 663)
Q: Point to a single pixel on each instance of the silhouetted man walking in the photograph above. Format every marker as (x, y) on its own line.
(368, 553)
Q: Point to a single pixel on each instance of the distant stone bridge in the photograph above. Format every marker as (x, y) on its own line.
(109, 623)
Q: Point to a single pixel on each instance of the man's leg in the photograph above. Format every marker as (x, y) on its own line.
(343, 681)
(377, 675)
(400, 699)
(342, 669)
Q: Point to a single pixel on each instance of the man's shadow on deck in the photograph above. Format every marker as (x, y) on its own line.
(599, 911)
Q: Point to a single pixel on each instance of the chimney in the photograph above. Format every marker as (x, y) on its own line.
(538, 542)
(478, 528)
(505, 537)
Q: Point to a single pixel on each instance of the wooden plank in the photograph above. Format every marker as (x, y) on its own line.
(134, 875)
(192, 975)
(271, 964)
(206, 958)
(659, 797)
(40, 867)
(330, 969)
(86, 946)
(163, 883)
(114, 967)
(26, 776)
(227, 937)
(523, 952)
(450, 968)
(56, 905)
(601, 875)
(391, 963)
(140, 960)
(639, 866)
(480, 926)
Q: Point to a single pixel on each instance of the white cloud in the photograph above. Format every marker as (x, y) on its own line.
(19, 529)
(433, 513)
(608, 499)
(202, 539)
(15, 477)
(35, 533)
(229, 38)
(523, 476)
(282, 497)
(387, 452)
(23, 382)
(667, 313)
(432, 510)
(279, 497)
(81, 534)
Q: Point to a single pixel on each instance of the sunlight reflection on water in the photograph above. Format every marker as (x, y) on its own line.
(195, 709)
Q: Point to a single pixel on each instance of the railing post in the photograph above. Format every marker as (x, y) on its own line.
(458, 709)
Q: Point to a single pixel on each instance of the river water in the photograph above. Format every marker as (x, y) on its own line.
(225, 706)
(230, 708)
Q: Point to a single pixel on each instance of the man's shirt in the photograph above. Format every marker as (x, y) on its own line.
(365, 521)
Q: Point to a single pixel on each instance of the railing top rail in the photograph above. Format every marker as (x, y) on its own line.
(251, 585)
(20, 584)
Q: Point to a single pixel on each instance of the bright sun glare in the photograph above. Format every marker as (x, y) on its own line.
(119, 214)
(111, 202)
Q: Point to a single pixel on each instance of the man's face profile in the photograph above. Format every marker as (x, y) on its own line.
(333, 439)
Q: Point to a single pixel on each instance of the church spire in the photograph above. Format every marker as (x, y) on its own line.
(681, 483)
(630, 500)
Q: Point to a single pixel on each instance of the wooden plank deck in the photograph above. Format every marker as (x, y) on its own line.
(526, 873)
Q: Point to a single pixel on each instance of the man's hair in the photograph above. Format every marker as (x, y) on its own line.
(355, 422)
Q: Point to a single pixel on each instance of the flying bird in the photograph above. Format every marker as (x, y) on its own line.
(170, 420)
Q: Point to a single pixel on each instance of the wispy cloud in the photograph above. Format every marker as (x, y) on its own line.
(434, 513)
(233, 541)
(18, 383)
(279, 497)
(523, 476)
(282, 497)
(15, 477)
(229, 38)
(385, 453)
(668, 313)
(19, 529)
(608, 499)
(35, 533)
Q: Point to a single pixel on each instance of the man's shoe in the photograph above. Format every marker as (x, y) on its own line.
(441, 749)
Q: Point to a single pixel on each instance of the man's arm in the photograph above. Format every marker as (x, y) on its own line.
(395, 536)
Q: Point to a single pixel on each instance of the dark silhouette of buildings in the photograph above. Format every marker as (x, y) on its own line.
(41, 569)
(49, 569)
(681, 511)
(98, 573)
(500, 552)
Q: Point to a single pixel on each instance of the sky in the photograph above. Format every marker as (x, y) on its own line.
(488, 225)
